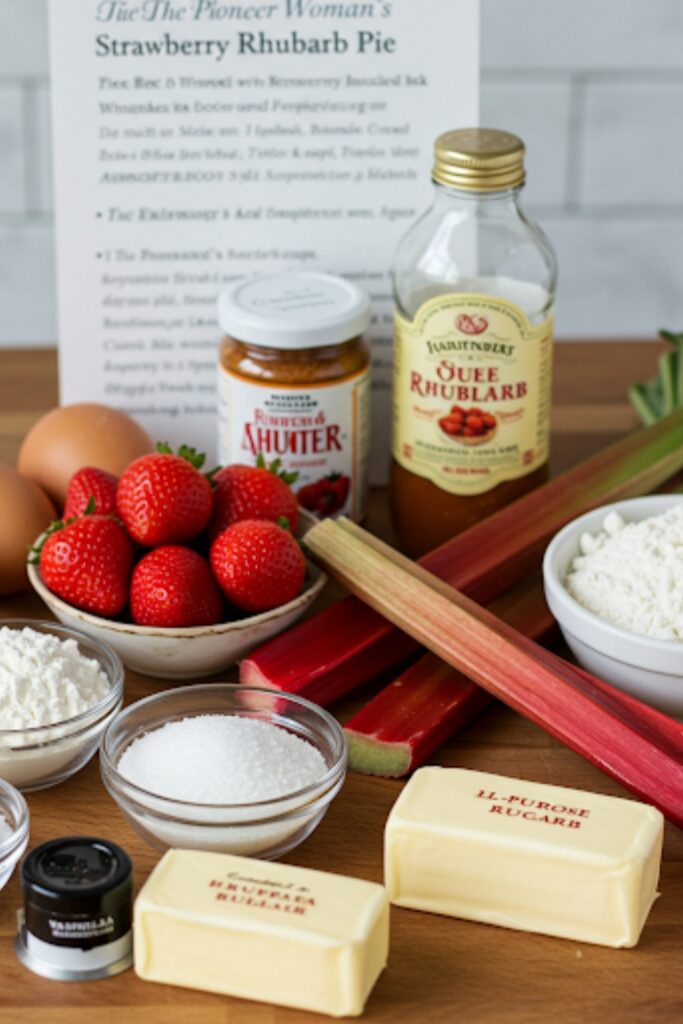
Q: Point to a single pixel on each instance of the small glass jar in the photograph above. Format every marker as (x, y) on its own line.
(294, 384)
(76, 924)
(474, 282)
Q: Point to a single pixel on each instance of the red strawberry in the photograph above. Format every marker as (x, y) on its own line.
(173, 586)
(258, 565)
(325, 496)
(162, 498)
(251, 492)
(90, 485)
(87, 562)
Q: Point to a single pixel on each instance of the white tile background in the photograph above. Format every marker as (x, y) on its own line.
(594, 88)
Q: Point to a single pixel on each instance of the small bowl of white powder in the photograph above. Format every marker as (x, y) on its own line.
(614, 581)
(14, 821)
(224, 767)
(58, 690)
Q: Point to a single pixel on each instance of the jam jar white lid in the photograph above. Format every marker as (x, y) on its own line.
(293, 310)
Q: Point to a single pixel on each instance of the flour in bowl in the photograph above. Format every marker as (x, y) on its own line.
(631, 574)
(44, 680)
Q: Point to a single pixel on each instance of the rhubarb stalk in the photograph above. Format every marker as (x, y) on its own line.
(408, 720)
(328, 655)
(538, 684)
(411, 717)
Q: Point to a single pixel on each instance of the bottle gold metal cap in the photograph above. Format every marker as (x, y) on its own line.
(479, 160)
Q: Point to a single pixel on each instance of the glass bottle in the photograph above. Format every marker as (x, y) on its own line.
(474, 282)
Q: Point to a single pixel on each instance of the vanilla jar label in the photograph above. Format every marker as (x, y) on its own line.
(319, 431)
(471, 393)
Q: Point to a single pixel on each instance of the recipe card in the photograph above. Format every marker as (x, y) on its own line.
(200, 140)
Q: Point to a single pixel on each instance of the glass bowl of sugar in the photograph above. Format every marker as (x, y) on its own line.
(224, 767)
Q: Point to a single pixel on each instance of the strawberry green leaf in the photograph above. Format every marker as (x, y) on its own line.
(283, 521)
(191, 455)
(287, 477)
(55, 526)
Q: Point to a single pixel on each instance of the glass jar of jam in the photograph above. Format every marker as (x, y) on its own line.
(474, 282)
(294, 384)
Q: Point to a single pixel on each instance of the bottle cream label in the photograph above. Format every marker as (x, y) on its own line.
(472, 381)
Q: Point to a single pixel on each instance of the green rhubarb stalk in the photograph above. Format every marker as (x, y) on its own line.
(679, 376)
(658, 396)
(667, 374)
(673, 337)
(644, 406)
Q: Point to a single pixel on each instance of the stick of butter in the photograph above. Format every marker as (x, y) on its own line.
(263, 931)
(524, 855)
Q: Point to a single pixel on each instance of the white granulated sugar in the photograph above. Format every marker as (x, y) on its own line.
(44, 680)
(221, 759)
(631, 574)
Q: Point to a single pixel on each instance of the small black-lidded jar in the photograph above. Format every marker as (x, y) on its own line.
(76, 922)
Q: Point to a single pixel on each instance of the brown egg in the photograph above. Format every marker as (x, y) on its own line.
(25, 511)
(73, 436)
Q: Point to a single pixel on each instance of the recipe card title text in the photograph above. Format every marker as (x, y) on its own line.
(215, 10)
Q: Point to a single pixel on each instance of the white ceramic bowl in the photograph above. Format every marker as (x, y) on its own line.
(649, 669)
(45, 755)
(14, 810)
(185, 653)
(266, 829)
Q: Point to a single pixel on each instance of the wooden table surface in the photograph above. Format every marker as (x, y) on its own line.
(440, 969)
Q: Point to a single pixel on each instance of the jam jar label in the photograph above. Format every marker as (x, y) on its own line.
(472, 382)
(319, 431)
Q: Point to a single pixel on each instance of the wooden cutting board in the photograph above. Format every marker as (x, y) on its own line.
(440, 969)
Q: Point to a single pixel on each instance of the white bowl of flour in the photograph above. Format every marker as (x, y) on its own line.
(614, 581)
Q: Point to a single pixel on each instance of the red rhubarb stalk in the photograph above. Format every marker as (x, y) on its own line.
(328, 655)
(408, 720)
(531, 680)
(400, 728)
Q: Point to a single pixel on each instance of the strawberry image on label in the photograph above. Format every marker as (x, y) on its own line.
(326, 496)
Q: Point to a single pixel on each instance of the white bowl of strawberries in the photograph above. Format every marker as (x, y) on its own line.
(180, 572)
